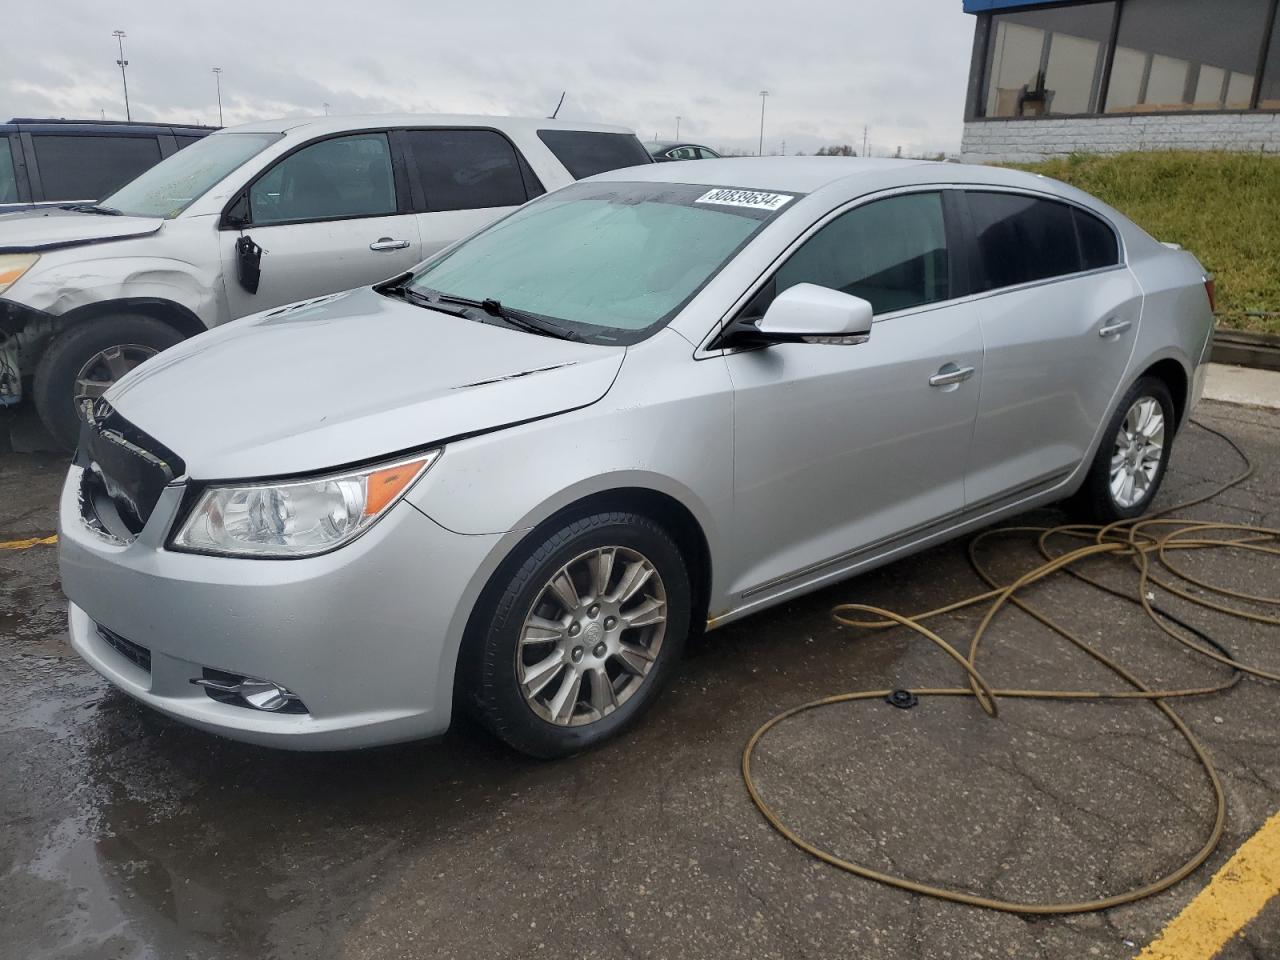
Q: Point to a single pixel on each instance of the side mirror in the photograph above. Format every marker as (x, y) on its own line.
(809, 313)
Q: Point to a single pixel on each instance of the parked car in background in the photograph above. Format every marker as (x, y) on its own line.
(665, 397)
(63, 161)
(664, 150)
(257, 216)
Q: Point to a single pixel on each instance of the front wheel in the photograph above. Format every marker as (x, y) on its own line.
(1132, 459)
(583, 634)
(85, 359)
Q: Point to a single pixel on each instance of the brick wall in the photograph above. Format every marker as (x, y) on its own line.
(1025, 141)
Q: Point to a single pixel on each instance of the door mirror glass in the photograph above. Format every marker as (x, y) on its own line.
(816, 314)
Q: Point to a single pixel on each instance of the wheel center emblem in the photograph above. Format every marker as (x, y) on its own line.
(591, 634)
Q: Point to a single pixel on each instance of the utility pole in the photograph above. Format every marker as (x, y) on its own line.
(122, 62)
(677, 127)
(760, 148)
(864, 140)
(217, 76)
(784, 148)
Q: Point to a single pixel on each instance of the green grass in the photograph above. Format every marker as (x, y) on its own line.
(1223, 207)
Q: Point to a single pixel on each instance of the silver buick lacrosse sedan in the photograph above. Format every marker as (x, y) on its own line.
(514, 479)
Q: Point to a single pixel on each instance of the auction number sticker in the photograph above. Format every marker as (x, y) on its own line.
(746, 198)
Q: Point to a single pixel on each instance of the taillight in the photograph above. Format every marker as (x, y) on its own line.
(1212, 292)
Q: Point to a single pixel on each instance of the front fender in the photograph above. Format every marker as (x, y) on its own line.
(63, 287)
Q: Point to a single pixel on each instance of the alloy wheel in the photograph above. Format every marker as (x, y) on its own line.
(592, 636)
(1137, 454)
(107, 366)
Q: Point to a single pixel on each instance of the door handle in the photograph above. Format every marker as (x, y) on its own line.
(949, 374)
(1113, 328)
(386, 243)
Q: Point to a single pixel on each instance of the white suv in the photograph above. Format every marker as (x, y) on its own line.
(254, 217)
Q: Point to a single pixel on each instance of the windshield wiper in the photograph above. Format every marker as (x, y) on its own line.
(529, 322)
(92, 208)
(399, 287)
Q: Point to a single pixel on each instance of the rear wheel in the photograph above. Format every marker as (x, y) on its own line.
(1131, 461)
(87, 358)
(583, 634)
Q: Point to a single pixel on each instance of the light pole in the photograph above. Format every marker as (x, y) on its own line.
(326, 108)
(760, 149)
(677, 128)
(120, 35)
(217, 77)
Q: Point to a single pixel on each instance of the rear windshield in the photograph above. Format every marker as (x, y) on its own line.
(611, 261)
(586, 154)
(175, 183)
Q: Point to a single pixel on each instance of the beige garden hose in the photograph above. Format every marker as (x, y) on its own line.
(1148, 542)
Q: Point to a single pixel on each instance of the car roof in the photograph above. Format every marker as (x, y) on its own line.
(799, 174)
(319, 126)
(865, 175)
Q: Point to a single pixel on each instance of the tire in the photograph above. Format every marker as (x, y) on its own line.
(522, 589)
(1098, 500)
(60, 367)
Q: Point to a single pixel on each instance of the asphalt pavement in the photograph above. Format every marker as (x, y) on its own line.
(126, 835)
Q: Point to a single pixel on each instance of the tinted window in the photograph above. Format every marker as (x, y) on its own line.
(1021, 238)
(185, 141)
(88, 168)
(467, 169)
(892, 252)
(708, 154)
(342, 177)
(1186, 55)
(1098, 247)
(586, 154)
(8, 181)
(1042, 62)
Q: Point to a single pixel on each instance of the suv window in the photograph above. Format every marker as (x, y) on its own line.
(89, 168)
(343, 177)
(1023, 238)
(586, 154)
(891, 252)
(8, 180)
(467, 169)
(1098, 246)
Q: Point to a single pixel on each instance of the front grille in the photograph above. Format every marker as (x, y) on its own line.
(136, 654)
(123, 464)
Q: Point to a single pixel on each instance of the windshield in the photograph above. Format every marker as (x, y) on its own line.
(175, 183)
(612, 261)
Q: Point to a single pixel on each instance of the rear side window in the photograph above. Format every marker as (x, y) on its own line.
(467, 169)
(8, 180)
(185, 141)
(89, 168)
(891, 252)
(332, 179)
(1098, 247)
(1021, 238)
(586, 154)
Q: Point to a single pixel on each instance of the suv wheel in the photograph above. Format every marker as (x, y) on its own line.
(1131, 460)
(87, 358)
(582, 635)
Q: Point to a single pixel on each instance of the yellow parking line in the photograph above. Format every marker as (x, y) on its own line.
(1236, 894)
(24, 544)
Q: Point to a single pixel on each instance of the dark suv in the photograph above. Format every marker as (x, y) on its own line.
(56, 161)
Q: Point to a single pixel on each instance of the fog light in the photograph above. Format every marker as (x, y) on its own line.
(249, 692)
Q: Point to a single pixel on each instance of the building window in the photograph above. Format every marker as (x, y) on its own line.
(1045, 62)
(1269, 95)
(1185, 55)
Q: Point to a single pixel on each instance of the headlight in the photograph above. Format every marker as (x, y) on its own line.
(14, 265)
(296, 518)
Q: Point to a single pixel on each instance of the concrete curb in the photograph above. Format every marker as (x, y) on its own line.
(1249, 386)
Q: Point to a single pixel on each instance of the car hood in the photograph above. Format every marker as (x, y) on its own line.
(48, 228)
(347, 378)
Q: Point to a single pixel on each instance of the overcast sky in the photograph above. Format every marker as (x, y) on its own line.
(831, 66)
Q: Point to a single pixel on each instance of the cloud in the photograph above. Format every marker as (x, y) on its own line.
(831, 67)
